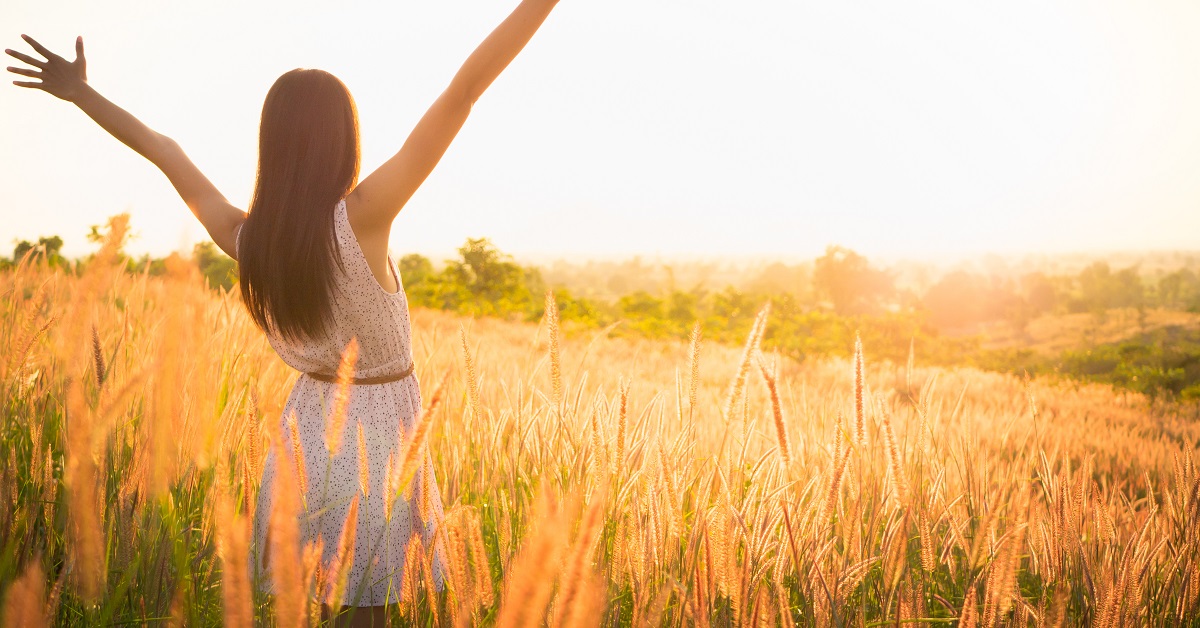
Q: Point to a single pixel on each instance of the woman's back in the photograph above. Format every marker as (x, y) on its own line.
(362, 309)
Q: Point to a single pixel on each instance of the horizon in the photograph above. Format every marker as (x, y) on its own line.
(76, 245)
(989, 261)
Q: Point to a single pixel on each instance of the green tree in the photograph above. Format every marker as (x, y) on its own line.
(730, 314)
(422, 285)
(1179, 290)
(583, 311)
(644, 312)
(492, 282)
(682, 310)
(49, 248)
(219, 270)
(848, 281)
(415, 269)
(1101, 289)
(779, 278)
(1040, 293)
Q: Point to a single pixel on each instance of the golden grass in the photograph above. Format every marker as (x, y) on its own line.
(341, 398)
(340, 569)
(24, 602)
(586, 482)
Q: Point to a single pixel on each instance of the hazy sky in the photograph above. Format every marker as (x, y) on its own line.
(657, 126)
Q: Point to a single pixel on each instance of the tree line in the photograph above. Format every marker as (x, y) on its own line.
(818, 309)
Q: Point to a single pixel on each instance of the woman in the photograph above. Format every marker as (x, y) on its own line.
(315, 274)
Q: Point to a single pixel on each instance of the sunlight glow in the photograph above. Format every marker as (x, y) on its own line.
(668, 127)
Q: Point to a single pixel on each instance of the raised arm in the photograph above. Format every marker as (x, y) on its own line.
(376, 201)
(68, 80)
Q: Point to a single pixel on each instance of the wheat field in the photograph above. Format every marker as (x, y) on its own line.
(588, 480)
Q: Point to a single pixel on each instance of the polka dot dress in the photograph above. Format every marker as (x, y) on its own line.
(387, 412)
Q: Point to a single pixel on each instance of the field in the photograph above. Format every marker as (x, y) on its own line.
(587, 480)
(1053, 333)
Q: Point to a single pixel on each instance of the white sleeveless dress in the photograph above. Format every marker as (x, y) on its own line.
(361, 309)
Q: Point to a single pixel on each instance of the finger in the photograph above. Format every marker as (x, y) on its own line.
(42, 50)
(79, 47)
(28, 84)
(37, 63)
(25, 72)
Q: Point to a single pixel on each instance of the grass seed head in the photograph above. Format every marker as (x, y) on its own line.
(336, 426)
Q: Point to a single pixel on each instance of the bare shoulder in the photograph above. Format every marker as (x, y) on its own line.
(362, 221)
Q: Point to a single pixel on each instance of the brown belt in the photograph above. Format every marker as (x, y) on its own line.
(364, 381)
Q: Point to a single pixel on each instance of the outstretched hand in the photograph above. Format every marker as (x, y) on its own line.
(57, 76)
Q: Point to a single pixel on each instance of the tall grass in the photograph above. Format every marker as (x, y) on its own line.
(138, 412)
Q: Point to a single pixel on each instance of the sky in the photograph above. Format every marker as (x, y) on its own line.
(656, 127)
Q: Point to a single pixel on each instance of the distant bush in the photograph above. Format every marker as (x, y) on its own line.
(1163, 363)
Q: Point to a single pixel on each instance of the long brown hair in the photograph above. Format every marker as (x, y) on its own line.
(308, 160)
